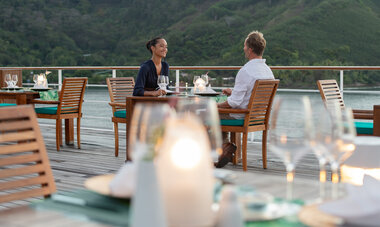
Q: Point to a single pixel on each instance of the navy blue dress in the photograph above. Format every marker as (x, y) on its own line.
(147, 77)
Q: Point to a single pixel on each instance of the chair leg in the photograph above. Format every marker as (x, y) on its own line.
(58, 133)
(116, 128)
(244, 150)
(233, 140)
(264, 149)
(78, 132)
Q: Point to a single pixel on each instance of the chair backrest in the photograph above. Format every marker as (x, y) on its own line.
(330, 92)
(24, 165)
(119, 88)
(71, 97)
(260, 103)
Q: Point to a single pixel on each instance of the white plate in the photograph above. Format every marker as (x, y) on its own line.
(100, 184)
(207, 93)
(226, 176)
(270, 212)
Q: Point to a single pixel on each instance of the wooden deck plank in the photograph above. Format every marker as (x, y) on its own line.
(72, 166)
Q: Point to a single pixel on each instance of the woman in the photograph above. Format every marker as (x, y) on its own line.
(146, 82)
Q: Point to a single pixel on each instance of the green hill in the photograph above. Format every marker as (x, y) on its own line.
(199, 32)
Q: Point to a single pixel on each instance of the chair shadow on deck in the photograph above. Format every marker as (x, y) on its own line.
(25, 171)
(119, 88)
(256, 118)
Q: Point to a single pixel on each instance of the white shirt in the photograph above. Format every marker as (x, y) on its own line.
(245, 80)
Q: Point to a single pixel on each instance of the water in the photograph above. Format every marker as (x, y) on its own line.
(97, 98)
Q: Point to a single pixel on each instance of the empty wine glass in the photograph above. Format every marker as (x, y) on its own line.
(14, 80)
(321, 142)
(195, 79)
(290, 128)
(147, 129)
(341, 145)
(8, 80)
(163, 82)
(207, 110)
(35, 79)
(205, 78)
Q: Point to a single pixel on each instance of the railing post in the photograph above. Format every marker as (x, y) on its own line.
(113, 73)
(177, 80)
(59, 79)
(341, 82)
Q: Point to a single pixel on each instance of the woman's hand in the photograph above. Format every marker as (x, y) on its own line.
(227, 91)
(159, 93)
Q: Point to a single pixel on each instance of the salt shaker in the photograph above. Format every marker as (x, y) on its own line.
(230, 213)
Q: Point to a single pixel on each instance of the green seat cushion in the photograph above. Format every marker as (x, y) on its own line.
(120, 113)
(7, 104)
(364, 127)
(232, 122)
(46, 110)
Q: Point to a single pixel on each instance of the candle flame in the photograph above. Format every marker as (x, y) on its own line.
(186, 153)
(283, 139)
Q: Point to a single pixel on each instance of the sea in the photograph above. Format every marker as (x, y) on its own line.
(97, 113)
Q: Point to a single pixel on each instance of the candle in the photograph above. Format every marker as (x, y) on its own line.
(185, 173)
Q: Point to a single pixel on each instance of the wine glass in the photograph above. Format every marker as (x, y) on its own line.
(341, 145)
(205, 78)
(8, 80)
(290, 127)
(163, 82)
(321, 142)
(195, 79)
(35, 79)
(207, 111)
(14, 80)
(147, 129)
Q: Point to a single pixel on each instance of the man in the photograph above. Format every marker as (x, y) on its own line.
(254, 69)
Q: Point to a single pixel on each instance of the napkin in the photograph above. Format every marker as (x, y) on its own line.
(51, 95)
(360, 207)
(123, 184)
(209, 89)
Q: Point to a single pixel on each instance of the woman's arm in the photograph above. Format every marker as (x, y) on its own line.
(138, 90)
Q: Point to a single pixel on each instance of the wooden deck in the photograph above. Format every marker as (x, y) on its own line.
(72, 166)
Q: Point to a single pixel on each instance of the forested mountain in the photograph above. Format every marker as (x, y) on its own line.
(199, 32)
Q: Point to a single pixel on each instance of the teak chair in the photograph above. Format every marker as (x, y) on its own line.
(256, 117)
(24, 165)
(330, 92)
(68, 107)
(118, 89)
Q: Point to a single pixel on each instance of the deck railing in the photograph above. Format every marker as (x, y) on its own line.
(177, 69)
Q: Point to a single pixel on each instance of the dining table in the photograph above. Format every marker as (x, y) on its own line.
(102, 210)
(26, 96)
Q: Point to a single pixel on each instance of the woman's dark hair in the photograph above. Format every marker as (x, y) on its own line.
(152, 42)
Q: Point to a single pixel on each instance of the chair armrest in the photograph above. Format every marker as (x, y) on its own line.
(38, 101)
(117, 104)
(230, 110)
(363, 114)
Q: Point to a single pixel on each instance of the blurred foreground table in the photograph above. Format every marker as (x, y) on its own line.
(105, 211)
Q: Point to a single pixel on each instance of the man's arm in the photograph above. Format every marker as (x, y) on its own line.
(224, 105)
